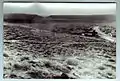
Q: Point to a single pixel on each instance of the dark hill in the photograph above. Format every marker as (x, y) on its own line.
(22, 18)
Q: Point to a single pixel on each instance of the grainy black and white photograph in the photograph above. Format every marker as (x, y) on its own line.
(59, 41)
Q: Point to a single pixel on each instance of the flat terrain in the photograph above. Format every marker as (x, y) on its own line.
(56, 50)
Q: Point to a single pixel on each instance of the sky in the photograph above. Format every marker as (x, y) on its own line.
(61, 8)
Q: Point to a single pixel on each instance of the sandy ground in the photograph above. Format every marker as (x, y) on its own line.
(42, 54)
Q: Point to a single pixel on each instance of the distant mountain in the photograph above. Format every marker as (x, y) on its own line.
(84, 18)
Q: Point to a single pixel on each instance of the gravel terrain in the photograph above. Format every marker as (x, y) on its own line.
(34, 53)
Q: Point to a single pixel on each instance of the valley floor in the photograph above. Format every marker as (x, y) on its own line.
(58, 55)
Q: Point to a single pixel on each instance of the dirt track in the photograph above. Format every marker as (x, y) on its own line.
(102, 35)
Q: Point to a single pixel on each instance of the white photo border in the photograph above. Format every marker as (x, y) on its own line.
(117, 44)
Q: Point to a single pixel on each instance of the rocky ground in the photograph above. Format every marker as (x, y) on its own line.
(42, 54)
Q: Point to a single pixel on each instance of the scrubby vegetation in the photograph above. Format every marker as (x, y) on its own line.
(109, 30)
(62, 52)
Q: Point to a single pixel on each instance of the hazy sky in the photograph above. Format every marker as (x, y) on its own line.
(62, 8)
